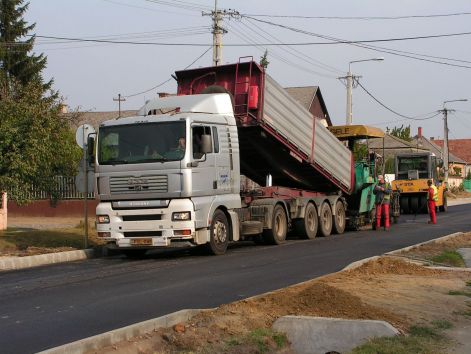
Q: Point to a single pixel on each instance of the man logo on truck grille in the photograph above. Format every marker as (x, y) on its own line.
(137, 183)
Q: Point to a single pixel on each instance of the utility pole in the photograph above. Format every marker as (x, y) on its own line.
(218, 30)
(446, 153)
(119, 99)
(351, 81)
(445, 143)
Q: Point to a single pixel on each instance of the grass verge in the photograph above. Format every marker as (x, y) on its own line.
(19, 241)
(421, 340)
(451, 258)
(262, 340)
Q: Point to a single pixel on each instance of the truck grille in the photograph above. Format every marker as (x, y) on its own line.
(145, 184)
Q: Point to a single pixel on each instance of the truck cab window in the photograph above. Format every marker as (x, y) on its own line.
(197, 133)
(216, 140)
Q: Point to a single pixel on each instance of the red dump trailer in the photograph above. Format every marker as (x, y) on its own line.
(277, 135)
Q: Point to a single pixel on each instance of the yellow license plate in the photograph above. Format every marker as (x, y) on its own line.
(141, 242)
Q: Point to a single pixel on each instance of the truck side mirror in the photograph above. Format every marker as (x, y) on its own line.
(206, 146)
(91, 149)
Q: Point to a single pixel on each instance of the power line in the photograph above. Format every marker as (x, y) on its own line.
(390, 109)
(299, 54)
(361, 44)
(148, 8)
(241, 34)
(181, 5)
(333, 39)
(361, 17)
(164, 82)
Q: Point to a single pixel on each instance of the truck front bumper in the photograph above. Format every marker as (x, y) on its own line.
(147, 227)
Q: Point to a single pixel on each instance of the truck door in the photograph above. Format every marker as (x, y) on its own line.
(203, 170)
(222, 159)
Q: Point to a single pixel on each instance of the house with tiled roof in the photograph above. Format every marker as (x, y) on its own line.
(457, 167)
(310, 97)
(391, 145)
(460, 148)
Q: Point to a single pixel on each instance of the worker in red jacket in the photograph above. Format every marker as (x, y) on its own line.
(432, 199)
(383, 194)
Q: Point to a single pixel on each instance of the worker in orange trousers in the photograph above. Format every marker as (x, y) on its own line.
(432, 200)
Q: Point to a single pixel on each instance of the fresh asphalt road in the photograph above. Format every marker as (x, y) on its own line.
(52, 305)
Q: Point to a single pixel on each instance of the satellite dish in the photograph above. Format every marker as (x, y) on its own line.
(81, 134)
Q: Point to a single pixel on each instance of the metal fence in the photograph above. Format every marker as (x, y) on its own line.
(64, 188)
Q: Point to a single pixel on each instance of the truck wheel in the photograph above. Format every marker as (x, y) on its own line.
(414, 204)
(325, 220)
(218, 234)
(404, 202)
(423, 204)
(307, 227)
(339, 219)
(279, 227)
(444, 207)
(134, 254)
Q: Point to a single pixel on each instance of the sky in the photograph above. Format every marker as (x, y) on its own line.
(89, 75)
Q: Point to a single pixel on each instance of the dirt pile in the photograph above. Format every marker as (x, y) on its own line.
(390, 265)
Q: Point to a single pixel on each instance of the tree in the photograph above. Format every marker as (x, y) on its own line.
(36, 142)
(263, 60)
(17, 62)
(401, 132)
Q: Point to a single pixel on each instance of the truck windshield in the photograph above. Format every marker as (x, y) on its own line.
(141, 143)
(409, 163)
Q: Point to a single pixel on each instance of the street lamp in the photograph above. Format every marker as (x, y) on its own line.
(445, 135)
(350, 79)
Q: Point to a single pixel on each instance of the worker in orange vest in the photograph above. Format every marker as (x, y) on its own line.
(432, 200)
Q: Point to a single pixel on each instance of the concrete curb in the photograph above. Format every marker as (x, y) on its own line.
(319, 335)
(440, 239)
(359, 263)
(121, 334)
(15, 263)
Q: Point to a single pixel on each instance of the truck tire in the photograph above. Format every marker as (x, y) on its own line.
(134, 254)
(414, 205)
(307, 227)
(279, 227)
(218, 234)
(423, 204)
(404, 203)
(339, 219)
(444, 207)
(325, 220)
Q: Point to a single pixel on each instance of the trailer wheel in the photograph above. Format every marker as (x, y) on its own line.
(444, 207)
(218, 234)
(325, 220)
(307, 227)
(279, 227)
(339, 219)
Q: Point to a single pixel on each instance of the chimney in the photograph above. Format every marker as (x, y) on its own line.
(64, 108)
(419, 132)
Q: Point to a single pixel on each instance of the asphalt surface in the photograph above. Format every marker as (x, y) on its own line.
(48, 306)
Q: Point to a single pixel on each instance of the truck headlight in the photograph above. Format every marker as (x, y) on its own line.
(103, 219)
(181, 216)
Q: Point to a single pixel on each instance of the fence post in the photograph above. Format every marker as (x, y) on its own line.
(4, 212)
